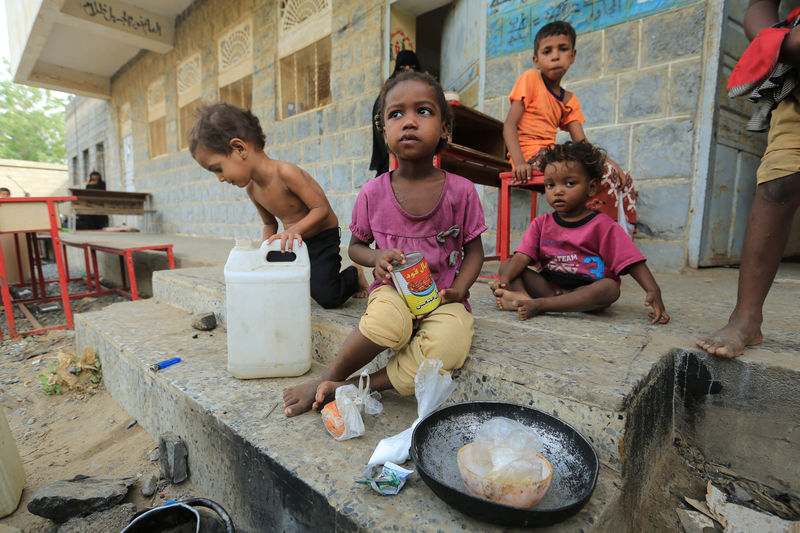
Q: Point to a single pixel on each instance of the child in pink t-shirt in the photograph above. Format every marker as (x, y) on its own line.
(415, 208)
(582, 252)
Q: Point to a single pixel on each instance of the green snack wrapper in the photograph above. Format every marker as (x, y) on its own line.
(387, 479)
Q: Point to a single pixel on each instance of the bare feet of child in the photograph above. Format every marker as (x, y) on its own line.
(299, 399)
(507, 300)
(326, 393)
(528, 308)
(363, 285)
(730, 341)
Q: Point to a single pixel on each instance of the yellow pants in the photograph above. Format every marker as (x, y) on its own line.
(782, 157)
(445, 334)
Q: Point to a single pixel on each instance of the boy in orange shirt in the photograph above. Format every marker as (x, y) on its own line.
(540, 106)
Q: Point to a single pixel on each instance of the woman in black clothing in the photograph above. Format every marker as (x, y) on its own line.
(93, 221)
(406, 60)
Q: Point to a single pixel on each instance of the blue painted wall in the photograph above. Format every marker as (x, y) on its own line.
(512, 24)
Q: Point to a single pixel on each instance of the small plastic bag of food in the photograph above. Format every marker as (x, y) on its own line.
(509, 444)
(503, 465)
(342, 417)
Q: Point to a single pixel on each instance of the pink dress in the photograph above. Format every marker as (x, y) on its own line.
(456, 219)
(577, 253)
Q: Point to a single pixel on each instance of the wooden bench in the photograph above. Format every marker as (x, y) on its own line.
(99, 202)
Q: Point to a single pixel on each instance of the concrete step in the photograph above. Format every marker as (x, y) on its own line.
(610, 378)
(270, 472)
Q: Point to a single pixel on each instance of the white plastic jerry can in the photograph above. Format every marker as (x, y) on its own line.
(268, 308)
(12, 475)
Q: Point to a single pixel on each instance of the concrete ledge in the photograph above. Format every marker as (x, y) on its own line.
(625, 384)
(546, 363)
(272, 473)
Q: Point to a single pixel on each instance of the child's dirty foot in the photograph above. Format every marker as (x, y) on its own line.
(506, 299)
(527, 309)
(326, 392)
(363, 285)
(298, 399)
(731, 340)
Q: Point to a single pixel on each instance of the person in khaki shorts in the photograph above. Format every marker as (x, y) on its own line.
(776, 201)
(415, 208)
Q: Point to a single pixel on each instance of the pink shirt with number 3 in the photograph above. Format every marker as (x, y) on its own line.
(456, 219)
(589, 249)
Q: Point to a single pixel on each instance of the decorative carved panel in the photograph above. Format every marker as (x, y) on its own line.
(189, 75)
(156, 103)
(235, 54)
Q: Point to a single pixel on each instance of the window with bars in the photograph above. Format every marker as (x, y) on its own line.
(158, 137)
(306, 78)
(157, 118)
(185, 122)
(238, 93)
(100, 159)
(304, 52)
(235, 65)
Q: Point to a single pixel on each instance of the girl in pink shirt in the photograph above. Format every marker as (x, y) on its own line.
(415, 208)
(582, 252)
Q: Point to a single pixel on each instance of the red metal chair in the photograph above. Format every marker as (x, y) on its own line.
(535, 185)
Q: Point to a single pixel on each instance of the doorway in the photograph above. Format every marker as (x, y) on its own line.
(449, 40)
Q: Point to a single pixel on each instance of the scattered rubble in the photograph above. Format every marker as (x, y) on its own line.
(79, 496)
(114, 519)
(694, 521)
(737, 518)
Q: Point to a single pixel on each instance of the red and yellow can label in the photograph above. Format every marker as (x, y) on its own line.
(415, 284)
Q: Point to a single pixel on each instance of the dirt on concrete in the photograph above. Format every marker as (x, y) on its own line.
(66, 423)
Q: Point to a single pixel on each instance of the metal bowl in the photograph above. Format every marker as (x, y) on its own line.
(438, 437)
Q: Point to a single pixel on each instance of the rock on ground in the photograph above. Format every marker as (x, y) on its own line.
(149, 485)
(204, 322)
(172, 453)
(114, 519)
(79, 496)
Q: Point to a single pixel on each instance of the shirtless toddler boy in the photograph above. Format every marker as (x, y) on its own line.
(229, 142)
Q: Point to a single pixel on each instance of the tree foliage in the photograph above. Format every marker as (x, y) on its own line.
(31, 122)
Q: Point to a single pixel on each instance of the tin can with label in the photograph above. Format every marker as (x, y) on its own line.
(415, 284)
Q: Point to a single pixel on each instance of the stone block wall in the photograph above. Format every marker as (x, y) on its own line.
(332, 143)
(88, 123)
(638, 84)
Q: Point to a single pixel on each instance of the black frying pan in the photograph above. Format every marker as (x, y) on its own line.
(439, 436)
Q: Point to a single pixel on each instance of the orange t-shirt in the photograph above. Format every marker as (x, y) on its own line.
(543, 115)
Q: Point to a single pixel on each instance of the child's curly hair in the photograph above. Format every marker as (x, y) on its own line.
(216, 124)
(593, 158)
(424, 77)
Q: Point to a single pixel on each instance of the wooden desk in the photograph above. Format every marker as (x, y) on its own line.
(100, 202)
(476, 150)
(27, 216)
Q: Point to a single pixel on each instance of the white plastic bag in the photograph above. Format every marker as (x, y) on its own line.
(510, 446)
(349, 400)
(431, 390)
